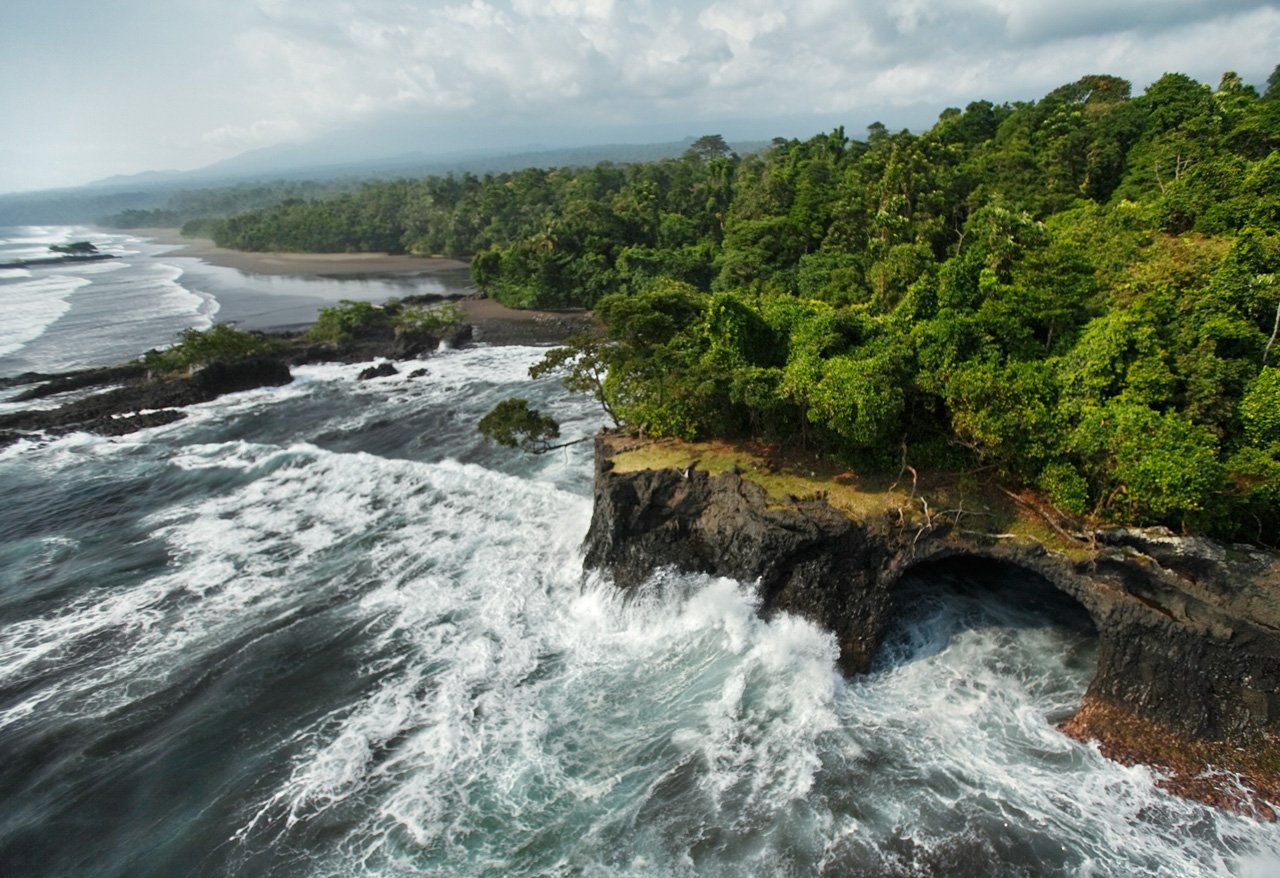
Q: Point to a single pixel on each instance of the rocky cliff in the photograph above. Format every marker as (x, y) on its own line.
(1189, 662)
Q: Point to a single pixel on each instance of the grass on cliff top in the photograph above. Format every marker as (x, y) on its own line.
(788, 476)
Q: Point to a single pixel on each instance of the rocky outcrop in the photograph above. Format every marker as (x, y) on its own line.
(382, 370)
(142, 400)
(43, 261)
(808, 558)
(1189, 629)
(375, 342)
(145, 402)
(67, 382)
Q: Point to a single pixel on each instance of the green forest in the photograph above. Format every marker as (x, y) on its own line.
(1077, 294)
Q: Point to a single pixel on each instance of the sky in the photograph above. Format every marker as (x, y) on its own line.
(93, 88)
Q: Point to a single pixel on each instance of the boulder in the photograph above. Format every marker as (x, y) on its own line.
(382, 370)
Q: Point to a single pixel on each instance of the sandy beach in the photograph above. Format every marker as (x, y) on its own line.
(493, 322)
(334, 265)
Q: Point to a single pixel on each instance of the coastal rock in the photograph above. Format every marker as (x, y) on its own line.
(375, 342)
(147, 402)
(808, 558)
(65, 259)
(382, 370)
(65, 383)
(1189, 630)
(130, 399)
(216, 378)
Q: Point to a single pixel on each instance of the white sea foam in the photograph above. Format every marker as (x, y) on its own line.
(118, 310)
(515, 718)
(89, 269)
(29, 307)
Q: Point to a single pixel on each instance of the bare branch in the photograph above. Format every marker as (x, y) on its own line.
(1274, 329)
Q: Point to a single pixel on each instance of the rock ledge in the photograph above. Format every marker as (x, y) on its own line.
(1189, 630)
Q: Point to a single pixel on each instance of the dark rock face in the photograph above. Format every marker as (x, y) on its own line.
(79, 380)
(216, 379)
(1192, 632)
(147, 402)
(59, 260)
(382, 370)
(1189, 630)
(376, 342)
(809, 559)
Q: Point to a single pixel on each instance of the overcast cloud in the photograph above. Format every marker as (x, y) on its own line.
(92, 88)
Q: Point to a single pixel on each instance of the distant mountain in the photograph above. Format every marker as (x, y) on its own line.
(297, 162)
(145, 178)
(291, 162)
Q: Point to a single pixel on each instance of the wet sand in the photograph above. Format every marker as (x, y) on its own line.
(332, 265)
(493, 322)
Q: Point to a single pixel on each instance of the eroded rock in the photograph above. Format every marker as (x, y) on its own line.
(1189, 629)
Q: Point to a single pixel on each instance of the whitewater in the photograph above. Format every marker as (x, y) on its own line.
(325, 630)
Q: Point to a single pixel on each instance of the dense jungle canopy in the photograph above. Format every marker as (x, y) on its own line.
(1077, 294)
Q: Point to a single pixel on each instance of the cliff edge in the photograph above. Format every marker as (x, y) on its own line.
(1188, 675)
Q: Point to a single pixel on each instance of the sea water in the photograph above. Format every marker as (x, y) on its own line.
(325, 630)
(66, 316)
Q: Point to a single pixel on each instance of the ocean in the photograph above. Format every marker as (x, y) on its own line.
(325, 630)
(61, 317)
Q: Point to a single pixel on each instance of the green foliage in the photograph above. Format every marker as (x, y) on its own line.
(202, 227)
(1120, 354)
(1249, 276)
(1077, 293)
(709, 146)
(1254, 494)
(860, 399)
(1005, 411)
(220, 343)
(1066, 487)
(1260, 408)
(432, 319)
(514, 424)
(349, 319)
(342, 322)
(583, 363)
(1149, 465)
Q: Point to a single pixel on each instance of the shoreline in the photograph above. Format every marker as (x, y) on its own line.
(326, 265)
(493, 322)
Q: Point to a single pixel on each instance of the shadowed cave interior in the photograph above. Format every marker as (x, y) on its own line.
(998, 612)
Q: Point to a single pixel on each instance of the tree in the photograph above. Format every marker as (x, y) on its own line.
(342, 322)
(1260, 408)
(514, 424)
(1273, 85)
(221, 343)
(1078, 293)
(583, 362)
(1150, 466)
(708, 147)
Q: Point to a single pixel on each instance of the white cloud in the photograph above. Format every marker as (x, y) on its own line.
(271, 70)
(260, 133)
(1037, 21)
(322, 61)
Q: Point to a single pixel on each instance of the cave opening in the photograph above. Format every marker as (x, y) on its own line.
(992, 626)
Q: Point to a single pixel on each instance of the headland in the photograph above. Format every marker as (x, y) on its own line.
(1188, 676)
